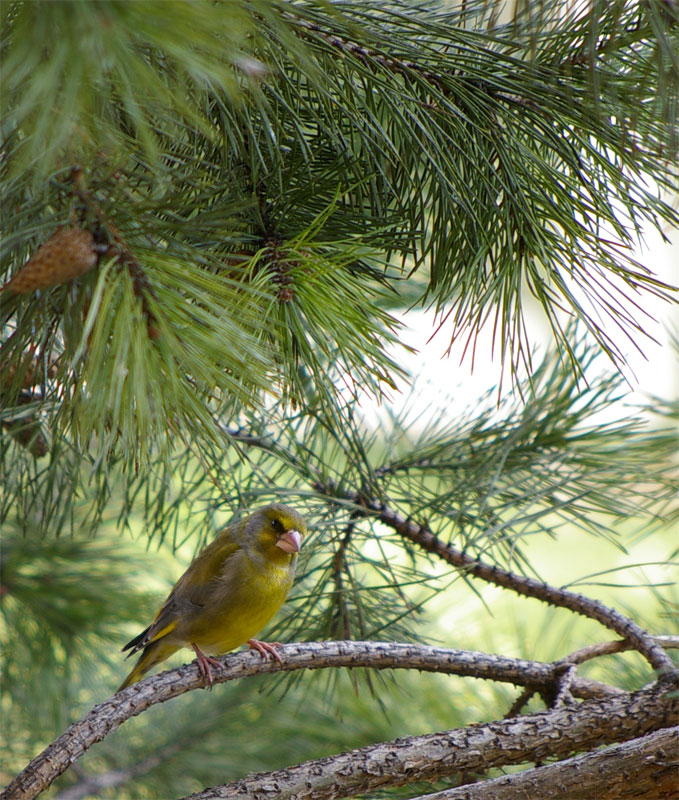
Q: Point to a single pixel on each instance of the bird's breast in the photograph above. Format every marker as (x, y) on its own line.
(240, 608)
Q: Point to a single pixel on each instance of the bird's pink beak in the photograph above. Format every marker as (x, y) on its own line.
(290, 542)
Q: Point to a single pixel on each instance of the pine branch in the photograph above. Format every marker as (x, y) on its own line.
(640, 769)
(609, 617)
(496, 154)
(487, 85)
(109, 715)
(478, 747)
(523, 448)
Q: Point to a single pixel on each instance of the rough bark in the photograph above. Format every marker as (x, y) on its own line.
(624, 626)
(641, 769)
(104, 718)
(524, 739)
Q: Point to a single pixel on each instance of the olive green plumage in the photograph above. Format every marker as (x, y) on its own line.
(228, 593)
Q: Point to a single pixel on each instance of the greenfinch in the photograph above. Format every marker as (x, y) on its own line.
(227, 595)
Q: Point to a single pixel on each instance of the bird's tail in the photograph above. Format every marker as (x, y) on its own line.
(154, 653)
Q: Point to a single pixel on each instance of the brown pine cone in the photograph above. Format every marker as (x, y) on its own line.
(30, 369)
(8, 371)
(66, 254)
(28, 433)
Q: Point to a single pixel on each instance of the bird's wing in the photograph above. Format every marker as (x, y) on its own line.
(191, 592)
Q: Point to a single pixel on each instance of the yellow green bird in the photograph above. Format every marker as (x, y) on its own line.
(227, 595)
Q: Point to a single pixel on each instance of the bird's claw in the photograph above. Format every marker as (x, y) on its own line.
(265, 649)
(204, 664)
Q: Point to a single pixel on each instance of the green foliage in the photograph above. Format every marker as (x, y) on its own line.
(107, 75)
(259, 186)
(500, 482)
(267, 196)
(62, 603)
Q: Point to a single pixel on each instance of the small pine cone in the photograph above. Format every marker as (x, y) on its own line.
(8, 372)
(28, 433)
(30, 370)
(66, 254)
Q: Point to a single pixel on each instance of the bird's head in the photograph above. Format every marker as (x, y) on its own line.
(279, 528)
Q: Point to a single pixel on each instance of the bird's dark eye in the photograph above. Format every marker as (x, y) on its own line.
(277, 525)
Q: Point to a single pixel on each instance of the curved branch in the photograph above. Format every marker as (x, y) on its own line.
(641, 640)
(104, 718)
(420, 535)
(478, 747)
(640, 768)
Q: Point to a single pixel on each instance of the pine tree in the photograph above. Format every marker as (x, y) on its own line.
(215, 218)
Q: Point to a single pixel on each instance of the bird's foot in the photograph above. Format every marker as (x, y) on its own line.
(265, 649)
(204, 664)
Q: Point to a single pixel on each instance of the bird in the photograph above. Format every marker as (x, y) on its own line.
(229, 592)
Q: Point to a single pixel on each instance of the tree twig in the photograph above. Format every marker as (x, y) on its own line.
(609, 617)
(564, 695)
(520, 702)
(617, 646)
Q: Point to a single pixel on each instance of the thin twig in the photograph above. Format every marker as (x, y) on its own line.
(343, 617)
(617, 646)
(639, 639)
(520, 702)
(564, 696)
(92, 784)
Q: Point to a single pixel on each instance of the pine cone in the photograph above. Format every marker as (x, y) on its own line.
(8, 372)
(30, 368)
(66, 254)
(28, 433)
